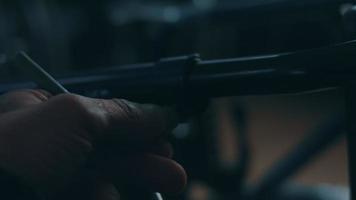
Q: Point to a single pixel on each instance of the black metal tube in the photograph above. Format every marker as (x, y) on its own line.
(281, 73)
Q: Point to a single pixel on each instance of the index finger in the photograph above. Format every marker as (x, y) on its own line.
(133, 119)
(126, 121)
(21, 99)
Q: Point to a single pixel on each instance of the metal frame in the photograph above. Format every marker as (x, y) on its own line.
(189, 80)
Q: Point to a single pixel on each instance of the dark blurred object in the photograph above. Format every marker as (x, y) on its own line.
(67, 35)
(322, 138)
(294, 191)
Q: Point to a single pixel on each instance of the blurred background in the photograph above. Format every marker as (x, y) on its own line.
(237, 139)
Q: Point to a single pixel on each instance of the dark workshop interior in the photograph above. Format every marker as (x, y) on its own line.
(262, 85)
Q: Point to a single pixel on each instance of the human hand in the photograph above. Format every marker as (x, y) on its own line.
(83, 147)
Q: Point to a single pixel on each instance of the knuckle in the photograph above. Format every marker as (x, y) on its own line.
(79, 109)
(70, 101)
(22, 98)
(27, 94)
(74, 105)
(143, 118)
(128, 110)
(41, 95)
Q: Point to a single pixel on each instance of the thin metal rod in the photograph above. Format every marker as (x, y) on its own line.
(43, 79)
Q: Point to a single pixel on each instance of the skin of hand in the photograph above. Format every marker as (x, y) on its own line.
(83, 148)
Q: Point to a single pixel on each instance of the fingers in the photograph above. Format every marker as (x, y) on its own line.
(162, 148)
(121, 123)
(128, 119)
(120, 120)
(155, 173)
(112, 149)
(22, 99)
(148, 171)
(89, 186)
(105, 191)
(139, 121)
(123, 120)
